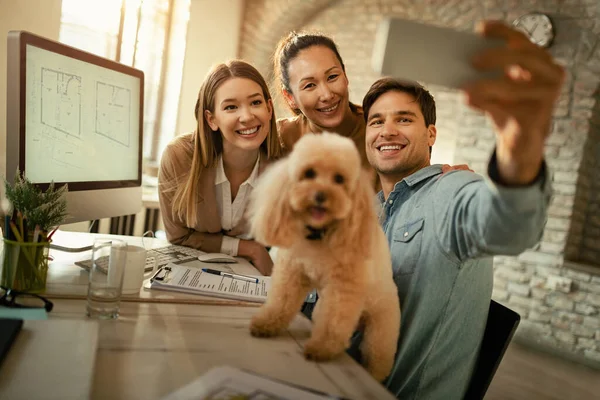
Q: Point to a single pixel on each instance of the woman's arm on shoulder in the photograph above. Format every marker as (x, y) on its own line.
(289, 131)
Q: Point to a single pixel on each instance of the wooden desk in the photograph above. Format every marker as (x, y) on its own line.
(153, 349)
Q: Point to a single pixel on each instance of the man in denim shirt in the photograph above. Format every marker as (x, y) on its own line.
(443, 229)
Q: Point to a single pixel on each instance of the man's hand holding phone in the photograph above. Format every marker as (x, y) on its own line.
(501, 72)
(520, 101)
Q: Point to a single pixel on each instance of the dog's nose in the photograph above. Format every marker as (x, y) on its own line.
(320, 197)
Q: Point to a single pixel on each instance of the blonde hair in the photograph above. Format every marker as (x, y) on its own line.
(208, 144)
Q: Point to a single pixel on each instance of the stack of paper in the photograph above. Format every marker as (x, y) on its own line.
(193, 280)
(228, 383)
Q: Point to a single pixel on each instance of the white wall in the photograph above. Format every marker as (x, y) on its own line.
(213, 37)
(39, 17)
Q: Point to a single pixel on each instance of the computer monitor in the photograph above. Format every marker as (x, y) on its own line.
(75, 118)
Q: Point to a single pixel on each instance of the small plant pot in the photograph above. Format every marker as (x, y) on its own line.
(24, 266)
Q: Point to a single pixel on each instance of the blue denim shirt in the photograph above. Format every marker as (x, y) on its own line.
(442, 231)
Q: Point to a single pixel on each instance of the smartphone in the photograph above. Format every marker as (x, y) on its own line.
(415, 51)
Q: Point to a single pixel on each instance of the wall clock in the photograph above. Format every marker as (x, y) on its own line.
(537, 27)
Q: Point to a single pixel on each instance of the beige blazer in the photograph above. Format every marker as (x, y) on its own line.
(206, 233)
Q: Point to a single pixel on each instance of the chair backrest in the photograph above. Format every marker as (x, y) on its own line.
(501, 325)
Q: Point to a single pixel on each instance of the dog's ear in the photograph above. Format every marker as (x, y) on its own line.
(355, 233)
(269, 211)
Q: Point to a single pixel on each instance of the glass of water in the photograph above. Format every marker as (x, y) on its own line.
(106, 278)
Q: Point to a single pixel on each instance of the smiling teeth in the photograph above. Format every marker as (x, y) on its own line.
(329, 109)
(385, 148)
(249, 131)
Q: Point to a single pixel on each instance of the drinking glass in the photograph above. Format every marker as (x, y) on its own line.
(106, 278)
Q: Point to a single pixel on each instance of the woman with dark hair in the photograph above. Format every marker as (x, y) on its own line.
(311, 76)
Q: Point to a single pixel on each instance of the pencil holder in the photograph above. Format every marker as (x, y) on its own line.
(24, 266)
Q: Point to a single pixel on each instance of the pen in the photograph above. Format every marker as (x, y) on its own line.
(25, 231)
(20, 220)
(52, 233)
(7, 233)
(36, 234)
(229, 275)
(15, 231)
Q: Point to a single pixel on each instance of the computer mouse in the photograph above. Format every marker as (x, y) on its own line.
(216, 258)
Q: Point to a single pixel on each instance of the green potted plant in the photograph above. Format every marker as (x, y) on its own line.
(28, 233)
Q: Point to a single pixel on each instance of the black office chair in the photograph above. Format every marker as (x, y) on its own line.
(501, 325)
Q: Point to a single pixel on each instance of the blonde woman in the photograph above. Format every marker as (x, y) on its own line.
(206, 176)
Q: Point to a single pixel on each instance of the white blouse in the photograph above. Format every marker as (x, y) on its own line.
(232, 212)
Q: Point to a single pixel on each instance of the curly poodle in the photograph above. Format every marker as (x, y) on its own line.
(317, 207)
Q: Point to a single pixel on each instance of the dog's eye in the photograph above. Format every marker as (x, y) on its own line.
(310, 173)
(338, 178)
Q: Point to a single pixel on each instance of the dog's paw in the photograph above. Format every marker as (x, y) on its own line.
(380, 364)
(378, 372)
(262, 327)
(322, 351)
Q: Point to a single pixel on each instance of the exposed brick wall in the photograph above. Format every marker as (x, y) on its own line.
(589, 183)
(559, 305)
(266, 21)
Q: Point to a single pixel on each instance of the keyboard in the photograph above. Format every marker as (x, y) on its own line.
(160, 256)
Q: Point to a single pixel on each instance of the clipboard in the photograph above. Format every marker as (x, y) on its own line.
(186, 279)
(193, 280)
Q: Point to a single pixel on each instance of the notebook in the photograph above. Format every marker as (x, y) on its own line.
(194, 280)
(52, 359)
(9, 329)
(23, 313)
